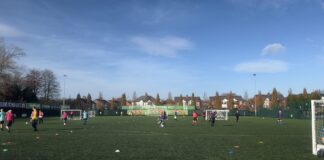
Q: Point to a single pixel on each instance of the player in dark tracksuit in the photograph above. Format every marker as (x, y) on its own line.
(212, 119)
(237, 115)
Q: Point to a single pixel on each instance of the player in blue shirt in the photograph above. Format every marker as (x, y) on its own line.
(85, 117)
(2, 118)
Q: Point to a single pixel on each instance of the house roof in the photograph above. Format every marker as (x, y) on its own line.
(269, 96)
(115, 101)
(186, 98)
(145, 98)
(239, 98)
(101, 100)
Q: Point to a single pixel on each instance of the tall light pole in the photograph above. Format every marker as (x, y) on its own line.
(64, 90)
(255, 107)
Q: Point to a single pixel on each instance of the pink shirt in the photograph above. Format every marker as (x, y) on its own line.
(65, 115)
(194, 115)
(9, 116)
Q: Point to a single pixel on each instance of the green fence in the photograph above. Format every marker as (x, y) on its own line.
(273, 113)
(156, 110)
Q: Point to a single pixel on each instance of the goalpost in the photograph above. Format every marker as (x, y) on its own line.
(318, 127)
(220, 114)
(73, 114)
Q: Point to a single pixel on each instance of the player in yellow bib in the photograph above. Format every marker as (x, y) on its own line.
(33, 117)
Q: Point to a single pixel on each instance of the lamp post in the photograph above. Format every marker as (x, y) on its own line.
(255, 107)
(64, 90)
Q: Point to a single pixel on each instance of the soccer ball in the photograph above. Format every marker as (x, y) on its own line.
(161, 125)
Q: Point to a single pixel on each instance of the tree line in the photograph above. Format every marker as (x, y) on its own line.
(18, 86)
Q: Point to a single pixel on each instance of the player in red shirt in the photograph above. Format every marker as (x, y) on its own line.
(65, 118)
(71, 114)
(204, 114)
(195, 118)
(40, 117)
(9, 120)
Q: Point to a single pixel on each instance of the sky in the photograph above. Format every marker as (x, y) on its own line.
(177, 46)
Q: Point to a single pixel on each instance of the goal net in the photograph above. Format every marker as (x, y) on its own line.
(73, 114)
(317, 126)
(220, 114)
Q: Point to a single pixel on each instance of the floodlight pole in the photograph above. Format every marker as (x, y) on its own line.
(64, 90)
(255, 107)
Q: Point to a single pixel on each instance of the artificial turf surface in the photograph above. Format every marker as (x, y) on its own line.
(141, 138)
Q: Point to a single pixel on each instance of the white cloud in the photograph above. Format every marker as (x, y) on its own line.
(262, 66)
(168, 46)
(274, 48)
(9, 31)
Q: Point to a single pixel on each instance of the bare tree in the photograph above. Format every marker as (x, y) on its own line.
(218, 101)
(157, 100)
(170, 96)
(170, 99)
(100, 96)
(33, 80)
(89, 101)
(123, 99)
(246, 96)
(205, 96)
(134, 96)
(100, 103)
(49, 86)
(8, 55)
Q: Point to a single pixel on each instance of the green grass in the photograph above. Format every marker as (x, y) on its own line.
(141, 138)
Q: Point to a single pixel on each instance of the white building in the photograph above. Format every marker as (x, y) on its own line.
(144, 101)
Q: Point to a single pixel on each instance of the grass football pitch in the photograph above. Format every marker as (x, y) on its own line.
(141, 138)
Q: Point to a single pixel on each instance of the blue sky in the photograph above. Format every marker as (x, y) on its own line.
(182, 46)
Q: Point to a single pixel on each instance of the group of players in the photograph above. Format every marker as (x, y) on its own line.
(7, 119)
(36, 117)
(212, 117)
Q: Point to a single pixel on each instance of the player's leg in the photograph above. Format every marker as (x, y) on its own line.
(35, 129)
(1, 125)
(40, 121)
(34, 124)
(9, 123)
(85, 121)
(195, 121)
